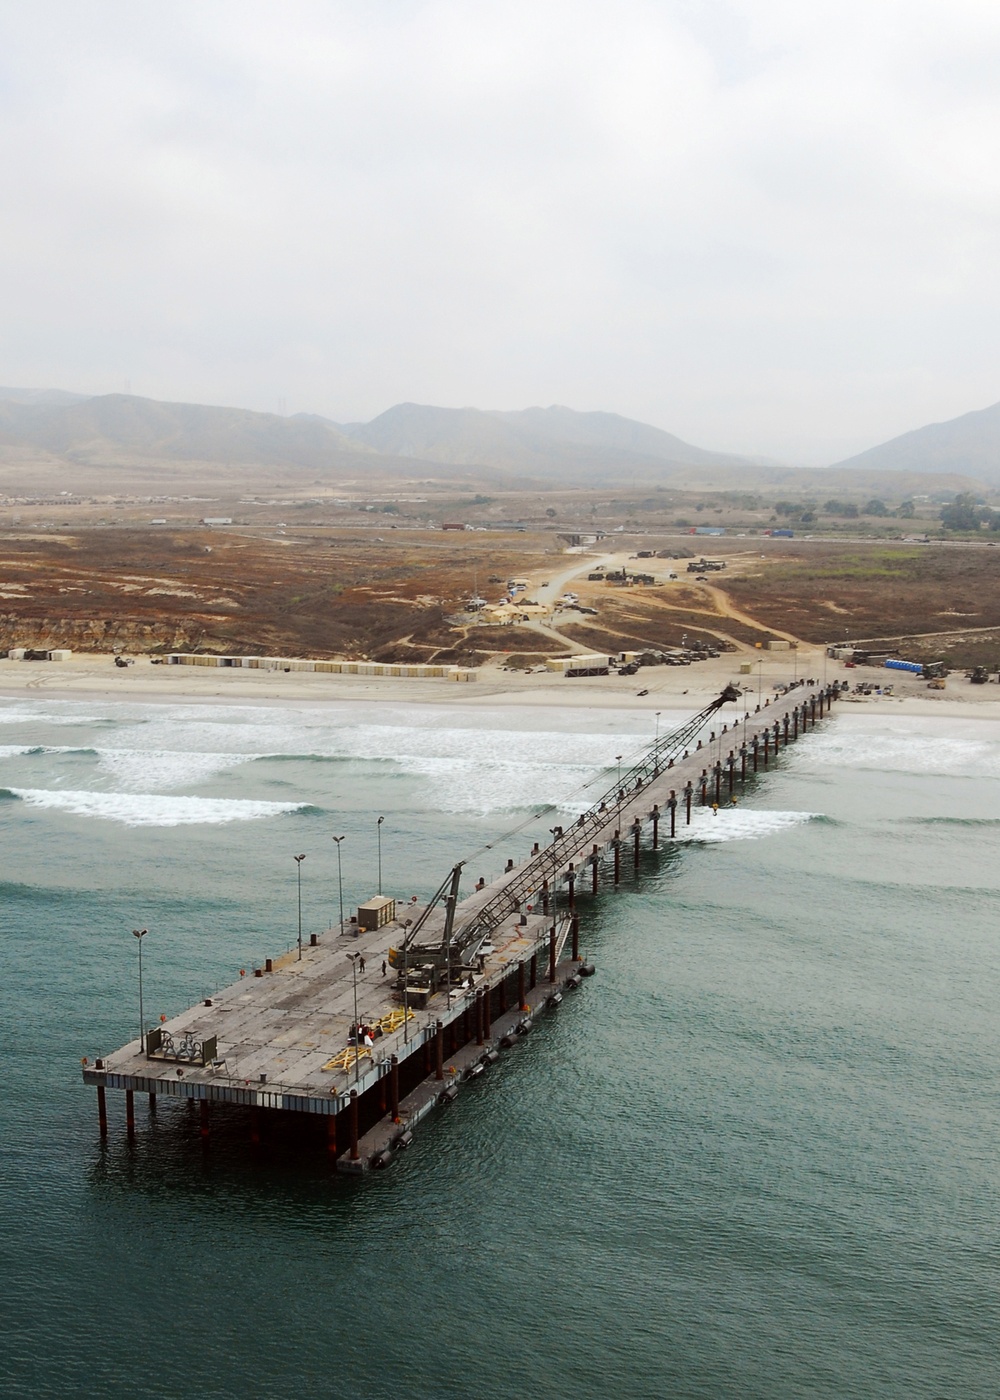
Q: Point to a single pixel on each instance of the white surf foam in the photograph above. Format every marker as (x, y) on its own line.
(902, 751)
(158, 769)
(41, 716)
(145, 809)
(487, 787)
(461, 769)
(738, 824)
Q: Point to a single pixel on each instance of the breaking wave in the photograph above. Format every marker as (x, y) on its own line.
(741, 824)
(903, 752)
(146, 809)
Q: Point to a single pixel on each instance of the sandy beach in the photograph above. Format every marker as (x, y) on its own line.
(687, 687)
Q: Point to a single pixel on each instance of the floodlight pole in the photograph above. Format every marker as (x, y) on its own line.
(140, 934)
(340, 883)
(298, 870)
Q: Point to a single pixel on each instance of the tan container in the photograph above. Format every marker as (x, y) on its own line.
(376, 912)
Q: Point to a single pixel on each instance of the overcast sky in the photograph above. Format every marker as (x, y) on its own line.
(766, 225)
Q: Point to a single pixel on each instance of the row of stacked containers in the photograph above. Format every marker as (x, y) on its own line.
(414, 671)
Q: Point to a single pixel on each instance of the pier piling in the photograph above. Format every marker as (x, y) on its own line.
(352, 1120)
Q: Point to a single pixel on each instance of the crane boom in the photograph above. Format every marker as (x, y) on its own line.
(459, 946)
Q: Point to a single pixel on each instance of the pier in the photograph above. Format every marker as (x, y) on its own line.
(323, 1031)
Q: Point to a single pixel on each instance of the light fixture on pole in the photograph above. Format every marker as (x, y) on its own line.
(298, 870)
(340, 883)
(658, 726)
(378, 828)
(357, 1029)
(618, 760)
(140, 934)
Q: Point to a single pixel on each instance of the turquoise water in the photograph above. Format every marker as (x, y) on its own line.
(755, 1156)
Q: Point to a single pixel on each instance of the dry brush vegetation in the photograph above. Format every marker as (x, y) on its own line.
(354, 594)
(93, 590)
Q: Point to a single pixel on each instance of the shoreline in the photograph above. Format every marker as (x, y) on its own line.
(676, 688)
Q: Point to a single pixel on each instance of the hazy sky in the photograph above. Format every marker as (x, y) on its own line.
(766, 225)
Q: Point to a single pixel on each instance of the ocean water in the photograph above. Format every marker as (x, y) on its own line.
(757, 1156)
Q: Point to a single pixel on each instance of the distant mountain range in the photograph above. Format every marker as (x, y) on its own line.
(544, 446)
(969, 445)
(542, 442)
(536, 444)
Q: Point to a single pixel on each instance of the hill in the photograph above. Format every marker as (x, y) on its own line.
(967, 446)
(586, 448)
(42, 396)
(113, 424)
(46, 432)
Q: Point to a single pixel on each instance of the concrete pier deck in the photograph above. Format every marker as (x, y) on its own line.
(278, 1037)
